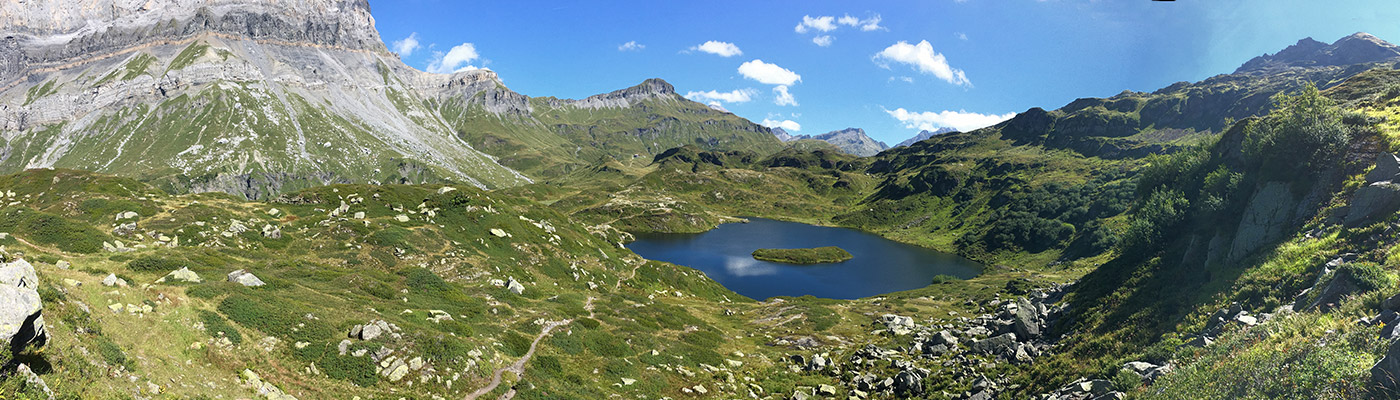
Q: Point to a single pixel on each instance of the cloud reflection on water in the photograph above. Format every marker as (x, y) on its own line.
(743, 267)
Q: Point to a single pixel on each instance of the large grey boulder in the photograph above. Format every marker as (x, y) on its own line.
(21, 310)
(184, 274)
(1385, 375)
(1004, 345)
(908, 384)
(1373, 201)
(1387, 169)
(1342, 284)
(245, 278)
(1026, 319)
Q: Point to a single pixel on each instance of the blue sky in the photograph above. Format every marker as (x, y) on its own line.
(890, 67)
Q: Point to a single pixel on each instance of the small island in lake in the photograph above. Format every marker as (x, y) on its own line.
(818, 255)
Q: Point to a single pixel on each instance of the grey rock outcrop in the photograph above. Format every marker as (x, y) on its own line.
(21, 310)
(1380, 196)
(1385, 375)
(245, 278)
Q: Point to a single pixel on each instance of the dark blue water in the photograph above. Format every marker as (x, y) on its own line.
(880, 265)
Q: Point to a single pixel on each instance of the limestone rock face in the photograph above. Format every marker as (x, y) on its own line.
(21, 316)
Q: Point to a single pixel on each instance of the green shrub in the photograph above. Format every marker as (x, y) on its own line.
(516, 344)
(113, 353)
(216, 324)
(1126, 380)
(154, 264)
(49, 229)
(1156, 220)
(358, 370)
(1302, 136)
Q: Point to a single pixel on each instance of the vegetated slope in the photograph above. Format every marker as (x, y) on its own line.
(259, 98)
(550, 137)
(1267, 243)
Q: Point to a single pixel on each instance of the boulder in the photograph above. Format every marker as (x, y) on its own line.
(1026, 320)
(1341, 285)
(1387, 168)
(826, 390)
(245, 278)
(271, 232)
(183, 275)
(943, 337)
(498, 233)
(515, 286)
(1372, 201)
(1000, 345)
(21, 310)
(1385, 375)
(113, 280)
(898, 325)
(908, 384)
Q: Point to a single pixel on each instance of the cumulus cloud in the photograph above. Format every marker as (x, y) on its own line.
(922, 57)
(406, 46)
(819, 24)
(823, 40)
(734, 96)
(787, 125)
(722, 49)
(868, 24)
(782, 97)
(457, 59)
(770, 74)
(631, 46)
(960, 120)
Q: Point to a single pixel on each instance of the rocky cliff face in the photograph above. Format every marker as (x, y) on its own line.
(1358, 48)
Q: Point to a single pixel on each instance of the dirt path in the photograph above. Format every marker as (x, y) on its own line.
(518, 367)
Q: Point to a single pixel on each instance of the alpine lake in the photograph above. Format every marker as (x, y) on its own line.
(879, 265)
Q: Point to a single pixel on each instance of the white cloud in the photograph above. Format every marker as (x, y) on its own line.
(457, 59)
(734, 96)
(631, 46)
(922, 57)
(867, 25)
(782, 97)
(904, 79)
(960, 120)
(716, 105)
(960, 36)
(770, 74)
(406, 46)
(823, 40)
(787, 125)
(820, 24)
(722, 49)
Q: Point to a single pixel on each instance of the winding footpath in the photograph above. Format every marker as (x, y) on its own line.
(518, 367)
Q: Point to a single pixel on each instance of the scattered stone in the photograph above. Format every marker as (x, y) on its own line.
(826, 390)
(63, 264)
(271, 232)
(498, 232)
(182, 275)
(245, 278)
(113, 280)
(446, 189)
(127, 215)
(401, 218)
(33, 379)
(515, 286)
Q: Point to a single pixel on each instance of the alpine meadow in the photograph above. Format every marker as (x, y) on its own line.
(304, 199)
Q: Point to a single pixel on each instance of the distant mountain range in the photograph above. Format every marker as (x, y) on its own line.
(851, 141)
(925, 135)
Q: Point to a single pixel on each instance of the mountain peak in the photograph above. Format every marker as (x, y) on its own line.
(654, 88)
(925, 135)
(1358, 48)
(853, 141)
